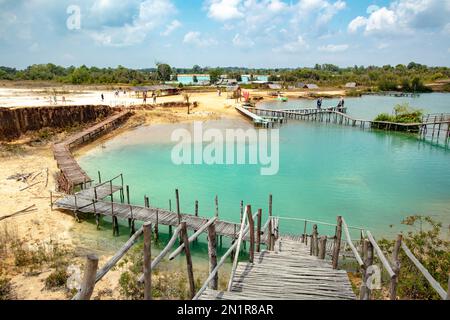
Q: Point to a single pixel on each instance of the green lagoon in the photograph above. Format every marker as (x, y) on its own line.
(373, 178)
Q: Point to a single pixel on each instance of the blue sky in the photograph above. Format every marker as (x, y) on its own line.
(251, 33)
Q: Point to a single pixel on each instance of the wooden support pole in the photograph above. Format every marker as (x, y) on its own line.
(147, 261)
(216, 201)
(304, 238)
(337, 242)
(314, 251)
(212, 253)
(99, 177)
(322, 247)
(252, 234)
(51, 200)
(395, 268)
(270, 224)
(258, 230)
(196, 214)
(177, 196)
(88, 284)
(157, 226)
(170, 209)
(242, 210)
(187, 252)
(365, 292)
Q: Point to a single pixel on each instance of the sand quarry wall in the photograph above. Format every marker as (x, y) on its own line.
(18, 121)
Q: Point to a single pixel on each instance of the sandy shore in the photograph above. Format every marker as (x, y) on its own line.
(46, 226)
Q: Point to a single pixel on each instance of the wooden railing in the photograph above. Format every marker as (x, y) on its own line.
(212, 280)
(369, 248)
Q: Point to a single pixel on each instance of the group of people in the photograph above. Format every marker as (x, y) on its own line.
(144, 97)
(339, 106)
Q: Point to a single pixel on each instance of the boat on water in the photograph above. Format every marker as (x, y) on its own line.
(282, 99)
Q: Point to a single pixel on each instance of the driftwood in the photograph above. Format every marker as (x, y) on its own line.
(88, 284)
(23, 211)
(31, 185)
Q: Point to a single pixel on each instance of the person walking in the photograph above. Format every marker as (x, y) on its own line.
(103, 97)
(319, 103)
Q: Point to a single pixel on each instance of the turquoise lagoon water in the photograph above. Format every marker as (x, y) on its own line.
(374, 179)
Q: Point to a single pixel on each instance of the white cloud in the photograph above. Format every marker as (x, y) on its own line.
(225, 9)
(372, 8)
(151, 14)
(403, 17)
(334, 48)
(196, 38)
(242, 41)
(175, 24)
(296, 46)
(356, 24)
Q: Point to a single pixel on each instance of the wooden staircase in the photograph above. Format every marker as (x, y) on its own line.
(288, 273)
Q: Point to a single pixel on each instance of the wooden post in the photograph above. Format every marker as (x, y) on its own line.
(305, 239)
(314, 251)
(177, 196)
(365, 291)
(88, 284)
(170, 209)
(258, 230)
(337, 242)
(156, 226)
(99, 177)
(187, 251)
(242, 210)
(196, 214)
(270, 224)
(395, 268)
(322, 247)
(51, 200)
(212, 252)
(216, 200)
(147, 261)
(252, 234)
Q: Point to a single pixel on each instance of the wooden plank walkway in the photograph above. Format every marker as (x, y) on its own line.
(84, 202)
(434, 128)
(288, 273)
(71, 174)
(258, 120)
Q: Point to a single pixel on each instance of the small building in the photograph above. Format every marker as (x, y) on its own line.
(351, 85)
(311, 86)
(160, 89)
(275, 86)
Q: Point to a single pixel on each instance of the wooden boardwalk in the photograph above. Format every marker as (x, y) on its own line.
(71, 174)
(90, 201)
(433, 127)
(287, 273)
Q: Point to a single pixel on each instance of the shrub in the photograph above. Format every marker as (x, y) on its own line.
(431, 249)
(5, 289)
(57, 279)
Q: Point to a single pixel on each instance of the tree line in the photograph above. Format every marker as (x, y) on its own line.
(410, 77)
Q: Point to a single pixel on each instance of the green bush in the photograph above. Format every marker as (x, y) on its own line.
(431, 248)
(403, 113)
(57, 279)
(384, 117)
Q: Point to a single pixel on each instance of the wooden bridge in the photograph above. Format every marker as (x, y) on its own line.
(433, 127)
(71, 174)
(92, 201)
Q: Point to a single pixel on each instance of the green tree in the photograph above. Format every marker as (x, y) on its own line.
(215, 74)
(163, 71)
